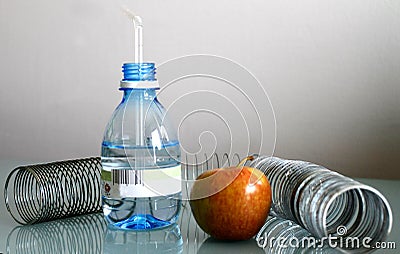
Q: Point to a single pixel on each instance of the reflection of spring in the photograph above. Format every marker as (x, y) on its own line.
(44, 192)
(83, 234)
(286, 237)
(90, 234)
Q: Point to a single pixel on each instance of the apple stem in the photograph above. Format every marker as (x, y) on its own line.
(242, 162)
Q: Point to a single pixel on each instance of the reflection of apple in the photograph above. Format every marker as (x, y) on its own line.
(231, 203)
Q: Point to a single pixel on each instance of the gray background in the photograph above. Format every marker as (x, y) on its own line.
(330, 69)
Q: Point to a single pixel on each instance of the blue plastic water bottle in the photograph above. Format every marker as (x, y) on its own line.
(140, 156)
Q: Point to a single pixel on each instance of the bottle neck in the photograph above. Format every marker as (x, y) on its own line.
(139, 94)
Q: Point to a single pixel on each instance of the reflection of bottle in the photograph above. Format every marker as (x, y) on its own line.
(82, 234)
(166, 240)
(140, 157)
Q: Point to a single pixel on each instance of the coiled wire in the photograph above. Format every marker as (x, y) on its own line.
(44, 192)
(324, 202)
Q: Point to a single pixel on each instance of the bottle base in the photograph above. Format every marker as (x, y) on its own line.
(142, 214)
(141, 222)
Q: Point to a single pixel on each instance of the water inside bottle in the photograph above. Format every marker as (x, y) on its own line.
(129, 202)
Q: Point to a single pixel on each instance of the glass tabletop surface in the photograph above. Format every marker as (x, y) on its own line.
(90, 234)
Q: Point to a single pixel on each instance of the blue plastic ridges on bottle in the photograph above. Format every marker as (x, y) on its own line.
(139, 72)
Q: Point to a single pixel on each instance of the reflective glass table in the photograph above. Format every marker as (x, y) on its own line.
(89, 233)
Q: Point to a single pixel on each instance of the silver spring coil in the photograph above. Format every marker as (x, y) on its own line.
(324, 202)
(44, 192)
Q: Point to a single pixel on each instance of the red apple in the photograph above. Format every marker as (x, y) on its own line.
(231, 203)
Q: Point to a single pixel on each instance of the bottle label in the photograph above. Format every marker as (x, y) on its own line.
(141, 183)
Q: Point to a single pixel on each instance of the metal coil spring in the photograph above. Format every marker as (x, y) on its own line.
(44, 192)
(325, 202)
(81, 234)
